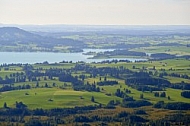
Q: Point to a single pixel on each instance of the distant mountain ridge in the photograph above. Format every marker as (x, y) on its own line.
(13, 35)
(107, 29)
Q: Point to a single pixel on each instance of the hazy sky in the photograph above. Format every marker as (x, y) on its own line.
(118, 12)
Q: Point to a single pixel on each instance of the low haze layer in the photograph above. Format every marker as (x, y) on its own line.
(99, 12)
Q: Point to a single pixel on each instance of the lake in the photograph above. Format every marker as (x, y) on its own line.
(39, 57)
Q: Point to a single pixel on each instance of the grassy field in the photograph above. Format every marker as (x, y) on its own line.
(174, 94)
(179, 50)
(48, 98)
(48, 66)
(54, 97)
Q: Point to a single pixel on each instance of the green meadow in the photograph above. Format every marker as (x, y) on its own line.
(177, 50)
(62, 95)
(48, 98)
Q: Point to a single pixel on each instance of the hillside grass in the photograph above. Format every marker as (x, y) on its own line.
(69, 98)
(48, 98)
(176, 50)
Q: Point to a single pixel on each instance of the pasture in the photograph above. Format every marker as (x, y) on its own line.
(48, 98)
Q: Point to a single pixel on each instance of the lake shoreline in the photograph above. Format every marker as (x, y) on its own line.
(40, 57)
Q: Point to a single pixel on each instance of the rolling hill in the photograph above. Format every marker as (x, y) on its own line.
(14, 35)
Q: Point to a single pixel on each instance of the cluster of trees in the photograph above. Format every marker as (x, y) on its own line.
(102, 71)
(11, 64)
(146, 81)
(114, 61)
(120, 93)
(185, 76)
(147, 88)
(126, 46)
(169, 44)
(111, 104)
(121, 52)
(103, 83)
(134, 104)
(11, 87)
(177, 119)
(12, 79)
(185, 94)
(129, 102)
(55, 116)
(51, 121)
(133, 119)
(160, 94)
(161, 56)
(182, 86)
(173, 105)
(7, 80)
(142, 81)
(143, 78)
(86, 87)
(21, 109)
(67, 77)
(18, 105)
(140, 112)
